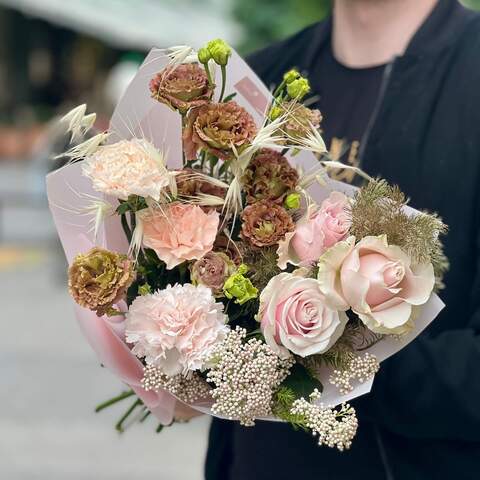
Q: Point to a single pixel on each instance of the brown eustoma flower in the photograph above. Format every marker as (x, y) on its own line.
(189, 185)
(269, 176)
(217, 127)
(182, 87)
(212, 270)
(99, 278)
(301, 120)
(265, 223)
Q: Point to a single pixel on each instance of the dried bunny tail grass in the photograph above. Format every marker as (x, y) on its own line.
(199, 176)
(378, 208)
(312, 141)
(334, 165)
(202, 199)
(85, 149)
(78, 122)
(179, 54)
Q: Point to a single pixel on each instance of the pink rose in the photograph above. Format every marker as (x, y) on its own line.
(316, 231)
(178, 232)
(174, 329)
(295, 318)
(377, 281)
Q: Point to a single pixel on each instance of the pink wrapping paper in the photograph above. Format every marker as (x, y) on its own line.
(138, 115)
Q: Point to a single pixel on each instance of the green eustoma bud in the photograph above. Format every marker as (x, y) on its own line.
(219, 50)
(290, 76)
(204, 55)
(275, 112)
(239, 287)
(298, 88)
(144, 289)
(292, 201)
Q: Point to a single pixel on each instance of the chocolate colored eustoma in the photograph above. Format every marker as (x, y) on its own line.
(99, 278)
(182, 87)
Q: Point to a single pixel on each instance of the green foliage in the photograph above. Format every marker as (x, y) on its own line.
(301, 382)
(153, 272)
(475, 4)
(132, 204)
(262, 265)
(379, 209)
(272, 20)
(282, 403)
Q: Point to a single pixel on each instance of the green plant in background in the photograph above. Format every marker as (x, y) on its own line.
(271, 20)
(472, 4)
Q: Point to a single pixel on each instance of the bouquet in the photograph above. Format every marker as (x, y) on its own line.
(213, 262)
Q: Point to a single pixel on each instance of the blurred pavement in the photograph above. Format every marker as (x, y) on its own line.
(51, 381)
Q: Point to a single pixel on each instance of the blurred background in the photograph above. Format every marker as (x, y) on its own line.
(55, 54)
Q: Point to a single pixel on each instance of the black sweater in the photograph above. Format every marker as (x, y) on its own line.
(422, 418)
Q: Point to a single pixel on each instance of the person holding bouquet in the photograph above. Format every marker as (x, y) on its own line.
(397, 84)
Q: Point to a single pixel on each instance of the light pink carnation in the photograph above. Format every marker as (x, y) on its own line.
(176, 328)
(377, 281)
(317, 231)
(128, 167)
(178, 232)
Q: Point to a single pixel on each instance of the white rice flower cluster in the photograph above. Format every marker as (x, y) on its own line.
(187, 389)
(245, 375)
(334, 428)
(360, 367)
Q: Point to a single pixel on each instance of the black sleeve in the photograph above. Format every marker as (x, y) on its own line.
(220, 450)
(431, 389)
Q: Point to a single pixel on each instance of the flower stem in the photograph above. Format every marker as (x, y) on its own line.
(224, 81)
(119, 425)
(209, 75)
(145, 416)
(114, 400)
(279, 89)
(126, 227)
(184, 124)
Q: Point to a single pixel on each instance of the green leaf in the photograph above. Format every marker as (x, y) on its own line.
(301, 382)
(229, 97)
(123, 208)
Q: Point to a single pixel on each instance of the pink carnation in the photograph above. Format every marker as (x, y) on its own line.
(127, 167)
(178, 232)
(176, 328)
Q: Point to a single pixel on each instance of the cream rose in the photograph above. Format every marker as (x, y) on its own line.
(377, 281)
(295, 318)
